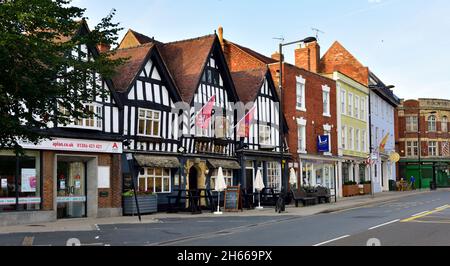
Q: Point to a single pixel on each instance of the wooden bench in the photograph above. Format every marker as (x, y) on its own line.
(324, 194)
(301, 195)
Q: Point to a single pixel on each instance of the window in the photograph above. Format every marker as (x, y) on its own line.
(264, 135)
(351, 144)
(412, 148)
(301, 94)
(343, 137)
(274, 175)
(432, 123)
(357, 103)
(149, 123)
(363, 141)
(357, 140)
(28, 181)
(363, 109)
(155, 180)
(411, 124)
(302, 138)
(343, 101)
(227, 174)
(92, 121)
(444, 126)
(327, 132)
(326, 100)
(432, 148)
(350, 104)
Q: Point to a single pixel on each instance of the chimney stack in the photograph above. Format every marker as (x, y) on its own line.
(103, 48)
(221, 37)
(276, 56)
(307, 56)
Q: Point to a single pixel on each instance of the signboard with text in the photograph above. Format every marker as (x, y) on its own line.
(78, 145)
(323, 143)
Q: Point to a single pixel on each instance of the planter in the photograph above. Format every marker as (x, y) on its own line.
(147, 204)
(350, 190)
(367, 189)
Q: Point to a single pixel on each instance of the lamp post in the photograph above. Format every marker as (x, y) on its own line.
(419, 143)
(281, 112)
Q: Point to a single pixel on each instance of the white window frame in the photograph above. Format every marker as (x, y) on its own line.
(300, 94)
(363, 109)
(357, 140)
(433, 150)
(152, 175)
(301, 131)
(432, 123)
(326, 97)
(357, 103)
(344, 137)
(411, 124)
(444, 124)
(327, 131)
(411, 148)
(147, 120)
(228, 176)
(96, 118)
(351, 138)
(343, 101)
(350, 104)
(363, 141)
(274, 175)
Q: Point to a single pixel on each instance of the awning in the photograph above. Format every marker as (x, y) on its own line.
(225, 164)
(157, 161)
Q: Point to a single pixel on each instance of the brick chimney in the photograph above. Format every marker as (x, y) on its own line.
(103, 48)
(307, 56)
(221, 37)
(276, 56)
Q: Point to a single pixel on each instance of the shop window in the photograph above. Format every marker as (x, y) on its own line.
(23, 193)
(154, 180)
(274, 175)
(227, 174)
(307, 174)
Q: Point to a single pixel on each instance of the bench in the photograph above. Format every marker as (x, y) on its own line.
(324, 194)
(301, 195)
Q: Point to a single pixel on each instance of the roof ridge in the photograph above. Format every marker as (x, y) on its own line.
(134, 47)
(191, 39)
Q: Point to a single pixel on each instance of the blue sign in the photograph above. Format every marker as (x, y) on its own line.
(323, 143)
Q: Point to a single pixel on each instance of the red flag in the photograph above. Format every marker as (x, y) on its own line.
(205, 114)
(244, 124)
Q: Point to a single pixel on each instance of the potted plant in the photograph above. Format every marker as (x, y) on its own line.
(148, 202)
(367, 186)
(350, 189)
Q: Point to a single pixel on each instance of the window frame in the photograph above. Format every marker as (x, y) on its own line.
(300, 94)
(139, 118)
(432, 123)
(146, 176)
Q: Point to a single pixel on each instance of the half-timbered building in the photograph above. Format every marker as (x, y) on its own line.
(75, 172)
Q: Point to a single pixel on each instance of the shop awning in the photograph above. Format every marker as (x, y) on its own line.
(225, 164)
(157, 161)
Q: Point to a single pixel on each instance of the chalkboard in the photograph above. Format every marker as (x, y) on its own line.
(232, 198)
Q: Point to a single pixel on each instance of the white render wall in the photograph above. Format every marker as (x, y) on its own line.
(382, 121)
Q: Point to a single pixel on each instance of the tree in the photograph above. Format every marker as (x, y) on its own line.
(42, 78)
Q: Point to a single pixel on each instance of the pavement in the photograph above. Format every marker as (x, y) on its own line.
(93, 224)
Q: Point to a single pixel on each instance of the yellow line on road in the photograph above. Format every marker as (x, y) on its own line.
(426, 214)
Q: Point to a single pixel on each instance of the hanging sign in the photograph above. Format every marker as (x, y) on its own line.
(29, 180)
(323, 143)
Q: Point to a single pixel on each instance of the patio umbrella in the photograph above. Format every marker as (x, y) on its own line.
(293, 177)
(259, 186)
(220, 186)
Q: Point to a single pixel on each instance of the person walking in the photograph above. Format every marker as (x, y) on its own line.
(413, 183)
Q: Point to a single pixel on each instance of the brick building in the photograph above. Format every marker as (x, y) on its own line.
(423, 141)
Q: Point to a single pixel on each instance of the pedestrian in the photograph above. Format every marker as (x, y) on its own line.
(413, 183)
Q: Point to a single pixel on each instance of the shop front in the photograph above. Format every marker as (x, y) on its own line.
(426, 172)
(60, 179)
(319, 171)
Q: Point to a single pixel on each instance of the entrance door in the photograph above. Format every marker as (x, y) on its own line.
(71, 189)
(193, 179)
(250, 177)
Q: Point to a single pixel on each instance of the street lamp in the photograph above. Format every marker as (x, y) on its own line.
(419, 140)
(306, 40)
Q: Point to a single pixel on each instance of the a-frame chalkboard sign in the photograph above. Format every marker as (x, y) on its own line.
(232, 200)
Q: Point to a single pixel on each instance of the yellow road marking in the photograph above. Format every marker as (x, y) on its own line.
(426, 214)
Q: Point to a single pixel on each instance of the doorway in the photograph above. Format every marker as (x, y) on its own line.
(250, 177)
(193, 178)
(71, 188)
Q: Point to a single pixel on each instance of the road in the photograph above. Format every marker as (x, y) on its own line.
(390, 223)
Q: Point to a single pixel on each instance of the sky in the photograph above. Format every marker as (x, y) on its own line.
(402, 41)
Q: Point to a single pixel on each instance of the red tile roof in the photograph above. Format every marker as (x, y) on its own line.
(260, 57)
(186, 61)
(135, 59)
(248, 83)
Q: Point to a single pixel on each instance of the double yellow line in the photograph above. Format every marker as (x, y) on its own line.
(426, 214)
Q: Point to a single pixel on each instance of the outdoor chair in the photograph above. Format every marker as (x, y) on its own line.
(301, 195)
